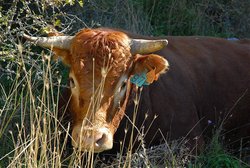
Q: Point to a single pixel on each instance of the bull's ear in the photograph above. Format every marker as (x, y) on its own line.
(148, 68)
(63, 54)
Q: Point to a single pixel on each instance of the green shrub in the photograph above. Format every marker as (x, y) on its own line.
(215, 156)
(25, 93)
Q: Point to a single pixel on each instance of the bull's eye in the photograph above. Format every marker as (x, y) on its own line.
(71, 83)
(124, 84)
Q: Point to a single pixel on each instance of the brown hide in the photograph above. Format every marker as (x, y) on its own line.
(207, 85)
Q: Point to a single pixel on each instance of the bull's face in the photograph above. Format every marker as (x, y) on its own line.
(102, 65)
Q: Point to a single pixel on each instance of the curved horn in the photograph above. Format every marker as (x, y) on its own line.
(62, 42)
(141, 46)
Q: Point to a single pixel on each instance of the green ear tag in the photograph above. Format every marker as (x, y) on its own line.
(139, 79)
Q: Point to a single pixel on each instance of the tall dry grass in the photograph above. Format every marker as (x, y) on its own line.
(38, 138)
(31, 134)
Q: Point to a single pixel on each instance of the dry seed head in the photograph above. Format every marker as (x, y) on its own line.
(59, 79)
(155, 116)
(109, 55)
(20, 48)
(141, 89)
(44, 121)
(136, 102)
(104, 72)
(17, 126)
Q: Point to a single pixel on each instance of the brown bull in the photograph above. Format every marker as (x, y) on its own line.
(208, 82)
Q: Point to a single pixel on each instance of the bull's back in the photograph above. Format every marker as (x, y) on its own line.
(208, 84)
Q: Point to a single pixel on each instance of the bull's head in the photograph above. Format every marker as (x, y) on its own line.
(102, 65)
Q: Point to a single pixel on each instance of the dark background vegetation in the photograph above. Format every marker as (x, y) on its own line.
(223, 18)
(220, 18)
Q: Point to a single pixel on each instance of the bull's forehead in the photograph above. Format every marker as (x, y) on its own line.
(97, 54)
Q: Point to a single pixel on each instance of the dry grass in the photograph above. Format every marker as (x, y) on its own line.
(40, 139)
(31, 134)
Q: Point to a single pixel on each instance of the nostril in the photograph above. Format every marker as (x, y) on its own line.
(101, 141)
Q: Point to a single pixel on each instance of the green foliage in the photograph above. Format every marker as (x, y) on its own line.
(171, 17)
(124, 14)
(195, 17)
(216, 157)
(16, 66)
(22, 65)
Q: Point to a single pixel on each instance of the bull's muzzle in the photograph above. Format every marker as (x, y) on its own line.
(91, 139)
